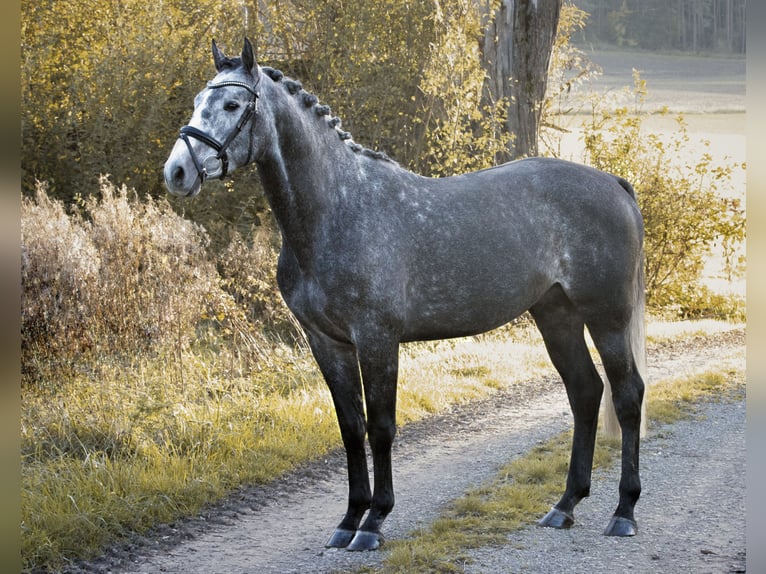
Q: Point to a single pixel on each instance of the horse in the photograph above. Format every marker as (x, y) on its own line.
(374, 255)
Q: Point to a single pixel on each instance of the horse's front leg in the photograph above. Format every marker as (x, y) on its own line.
(340, 369)
(379, 362)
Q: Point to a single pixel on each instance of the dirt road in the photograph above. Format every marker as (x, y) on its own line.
(692, 511)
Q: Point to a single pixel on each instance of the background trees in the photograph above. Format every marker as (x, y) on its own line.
(105, 85)
(516, 50)
(442, 86)
(689, 25)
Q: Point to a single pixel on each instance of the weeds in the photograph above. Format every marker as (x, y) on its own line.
(122, 452)
(117, 275)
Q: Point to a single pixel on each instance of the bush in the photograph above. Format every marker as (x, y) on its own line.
(685, 208)
(112, 94)
(248, 271)
(59, 266)
(117, 275)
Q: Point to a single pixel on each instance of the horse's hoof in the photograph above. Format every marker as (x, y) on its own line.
(340, 538)
(365, 541)
(620, 526)
(556, 519)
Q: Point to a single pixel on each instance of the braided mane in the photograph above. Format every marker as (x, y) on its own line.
(309, 100)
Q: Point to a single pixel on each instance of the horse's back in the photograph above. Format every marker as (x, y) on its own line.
(485, 246)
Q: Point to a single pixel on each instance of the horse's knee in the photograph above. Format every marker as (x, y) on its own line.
(381, 435)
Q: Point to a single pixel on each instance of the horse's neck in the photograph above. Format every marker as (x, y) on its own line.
(300, 175)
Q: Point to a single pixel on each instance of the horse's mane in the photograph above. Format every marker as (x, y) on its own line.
(309, 100)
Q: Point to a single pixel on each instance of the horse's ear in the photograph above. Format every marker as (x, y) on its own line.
(248, 59)
(218, 57)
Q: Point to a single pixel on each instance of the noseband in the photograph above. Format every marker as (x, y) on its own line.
(221, 159)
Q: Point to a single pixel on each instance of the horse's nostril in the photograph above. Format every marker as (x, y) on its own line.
(178, 174)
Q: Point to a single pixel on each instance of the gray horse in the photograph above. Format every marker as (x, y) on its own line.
(374, 255)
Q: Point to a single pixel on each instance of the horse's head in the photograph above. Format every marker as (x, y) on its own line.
(220, 135)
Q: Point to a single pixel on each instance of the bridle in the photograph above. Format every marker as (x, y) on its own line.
(219, 165)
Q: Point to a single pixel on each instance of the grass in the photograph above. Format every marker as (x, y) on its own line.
(118, 445)
(524, 489)
(122, 444)
(128, 450)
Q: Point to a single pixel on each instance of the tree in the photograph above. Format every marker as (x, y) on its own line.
(516, 51)
(689, 25)
(106, 85)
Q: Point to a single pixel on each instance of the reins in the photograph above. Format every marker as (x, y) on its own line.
(221, 159)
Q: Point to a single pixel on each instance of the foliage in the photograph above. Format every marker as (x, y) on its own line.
(120, 275)
(405, 78)
(364, 61)
(569, 70)
(688, 207)
(105, 86)
(248, 269)
(459, 132)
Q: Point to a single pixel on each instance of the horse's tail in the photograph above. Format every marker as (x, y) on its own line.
(637, 334)
(626, 186)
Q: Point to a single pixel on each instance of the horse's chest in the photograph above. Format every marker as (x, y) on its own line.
(316, 306)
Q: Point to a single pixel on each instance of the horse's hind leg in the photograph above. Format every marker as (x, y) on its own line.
(562, 329)
(613, 344)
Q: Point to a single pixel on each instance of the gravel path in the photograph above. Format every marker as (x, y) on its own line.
(683, 516)
(691, 516)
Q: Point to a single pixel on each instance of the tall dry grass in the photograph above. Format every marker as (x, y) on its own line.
(117, 275)
(149, 388)
(127, 275)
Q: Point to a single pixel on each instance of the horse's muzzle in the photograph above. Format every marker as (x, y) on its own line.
(179, 180)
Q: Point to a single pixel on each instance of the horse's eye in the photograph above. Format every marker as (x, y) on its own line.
(231, 106)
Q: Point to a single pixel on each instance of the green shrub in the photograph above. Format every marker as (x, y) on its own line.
(459, 132)
(686, 207)
(106, 85)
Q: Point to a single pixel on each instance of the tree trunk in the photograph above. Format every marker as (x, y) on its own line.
(516, 51)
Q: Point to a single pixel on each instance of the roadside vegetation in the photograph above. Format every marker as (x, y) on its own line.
(160, 369)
